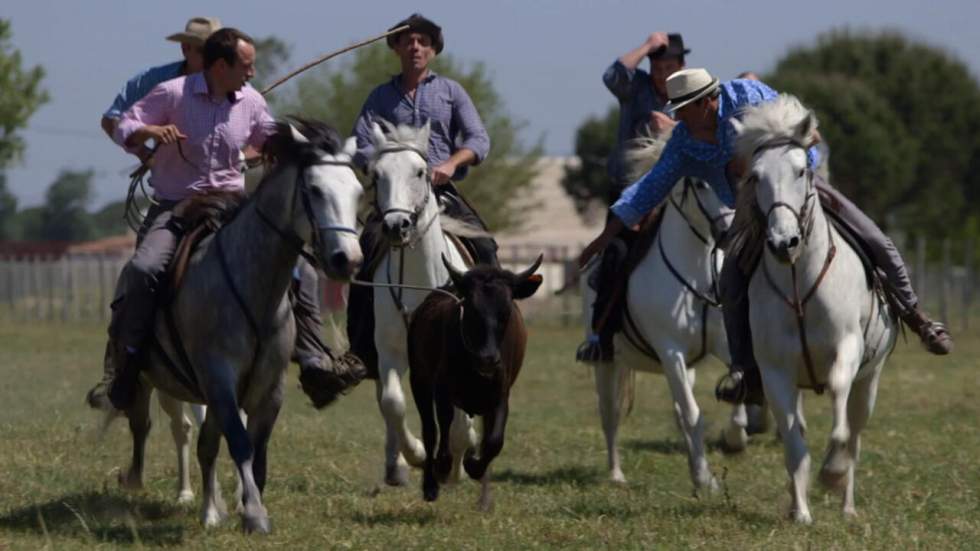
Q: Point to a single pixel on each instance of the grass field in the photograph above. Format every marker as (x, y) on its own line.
(918, 483)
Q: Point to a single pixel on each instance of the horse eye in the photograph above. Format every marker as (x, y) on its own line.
(316, 192)
(802, 172)
(421, 173)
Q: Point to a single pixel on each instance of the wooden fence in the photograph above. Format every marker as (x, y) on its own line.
(79, 287)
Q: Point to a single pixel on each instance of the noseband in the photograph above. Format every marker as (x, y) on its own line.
(804, 216)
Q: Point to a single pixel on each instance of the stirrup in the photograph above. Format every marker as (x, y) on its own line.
(591, 351)
(731, 388)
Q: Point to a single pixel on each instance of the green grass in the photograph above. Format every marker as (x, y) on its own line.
(917, 484)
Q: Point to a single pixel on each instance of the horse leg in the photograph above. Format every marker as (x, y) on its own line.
(735, 435)
(783, 399)
(609, 383)
(462, 439)
(837, 460)
(260, 424)
(139, 427)
(494, 426)
(400, 444)
(180, 429)
(860, 404)
(422, 393)
(223, 405)
(213, 508)
(691, 420)
(445, 412)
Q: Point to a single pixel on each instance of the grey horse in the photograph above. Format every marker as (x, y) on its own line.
(232, 312)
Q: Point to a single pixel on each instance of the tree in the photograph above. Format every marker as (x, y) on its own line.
(8, 211)
(934, 104)
(271, 53)
(588, 183)
(63, 217)
(336, 94)
(20, 96)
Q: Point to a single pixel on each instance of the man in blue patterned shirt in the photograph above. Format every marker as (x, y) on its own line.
(703, 146)
(457, 141)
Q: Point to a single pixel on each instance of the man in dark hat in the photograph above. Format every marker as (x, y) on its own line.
(458, 140)
(642, 97)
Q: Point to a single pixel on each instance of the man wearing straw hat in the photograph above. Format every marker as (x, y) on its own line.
(191, 41)
(458, 140)
(702, 145)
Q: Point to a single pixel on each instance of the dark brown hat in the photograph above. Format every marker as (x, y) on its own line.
(418, 23)
(674, 47)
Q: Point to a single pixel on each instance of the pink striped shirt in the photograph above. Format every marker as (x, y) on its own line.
(216, 131)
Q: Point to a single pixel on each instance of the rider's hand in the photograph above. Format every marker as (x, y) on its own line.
(443, 173)
(661, 123)
(656, 41)
(613, 227)
(166, 134)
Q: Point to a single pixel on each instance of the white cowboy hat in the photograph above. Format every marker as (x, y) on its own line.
(197, 30)
(689, 85)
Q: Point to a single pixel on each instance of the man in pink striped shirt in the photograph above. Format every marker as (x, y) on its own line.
(201, 123)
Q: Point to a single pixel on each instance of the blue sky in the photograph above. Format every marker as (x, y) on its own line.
(546, 56)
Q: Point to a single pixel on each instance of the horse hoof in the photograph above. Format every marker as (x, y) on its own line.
(734, 443)
(430, 493)
(212, 517)
(474, 468)
(802, 518)
(849, 513)
(130, 482)
(255, 520)
(833, 480)
(396, 475)
(185, 497)
(484, 505)
(617, 477)
(709, 486)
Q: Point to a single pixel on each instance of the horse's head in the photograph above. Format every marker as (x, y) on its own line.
(400, 171)
(487, 294)
(774, 137)
(701, 207)
(326, 195)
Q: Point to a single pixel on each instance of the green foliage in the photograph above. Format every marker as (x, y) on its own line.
(20, 96)
(875, 91)
(335, 94)
(8, 211)
(109, 221)
(588, 183)
(63, 217)
(271, 54)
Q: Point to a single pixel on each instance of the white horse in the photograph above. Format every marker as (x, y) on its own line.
(671, 308)
(844, 332)
(413, 228)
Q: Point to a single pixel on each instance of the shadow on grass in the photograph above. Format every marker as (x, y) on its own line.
(574, 475)
(417, 517)
(98, 516)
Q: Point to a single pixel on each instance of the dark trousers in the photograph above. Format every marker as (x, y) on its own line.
(360, 299)
(884, 254)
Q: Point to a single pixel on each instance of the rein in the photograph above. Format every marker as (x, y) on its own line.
(804, 220)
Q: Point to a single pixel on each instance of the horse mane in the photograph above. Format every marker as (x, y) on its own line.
(642, 153)
(402, 135)
(323, 139)
(760, 124)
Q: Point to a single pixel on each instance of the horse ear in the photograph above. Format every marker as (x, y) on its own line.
(527, 282)
(298, 136)
(423, 136)
(454, 275)
(805, 131)
(737, 126)
(377, 136)
(350, 146)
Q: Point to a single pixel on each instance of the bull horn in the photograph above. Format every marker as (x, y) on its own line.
(298, 136)
(530, 271)
(454, 274)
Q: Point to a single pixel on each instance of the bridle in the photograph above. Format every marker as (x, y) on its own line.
(712, 220)
(415, 213)
(804, 220)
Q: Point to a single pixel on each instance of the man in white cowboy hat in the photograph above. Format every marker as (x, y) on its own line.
(702, 146)
(191, 41)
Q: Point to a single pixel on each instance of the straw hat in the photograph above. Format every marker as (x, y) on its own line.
(197, 30)
(687, 86)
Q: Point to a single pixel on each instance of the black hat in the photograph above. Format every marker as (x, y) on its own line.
(419, 24)
(674, 47)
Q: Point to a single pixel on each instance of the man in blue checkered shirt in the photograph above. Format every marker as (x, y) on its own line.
(458, 140)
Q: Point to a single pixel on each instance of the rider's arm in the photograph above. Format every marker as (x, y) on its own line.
(643, 195)
(475, 138)
(619, 76)
(147, 118)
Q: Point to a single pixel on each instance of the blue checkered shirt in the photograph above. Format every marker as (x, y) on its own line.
(686, 156)
(443, 102)
(637, 99)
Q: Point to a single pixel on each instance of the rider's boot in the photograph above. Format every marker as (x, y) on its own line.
(743, 383)
(605, 317)
(935, 336)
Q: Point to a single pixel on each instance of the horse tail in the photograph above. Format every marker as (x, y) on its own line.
(642, 153)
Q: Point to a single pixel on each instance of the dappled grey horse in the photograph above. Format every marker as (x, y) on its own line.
(232, 314)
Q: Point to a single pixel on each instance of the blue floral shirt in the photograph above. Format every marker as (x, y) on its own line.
(685, 156)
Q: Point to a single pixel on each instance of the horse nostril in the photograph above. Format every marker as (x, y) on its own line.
(406, 223)
(339, 259)
(793, 242)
